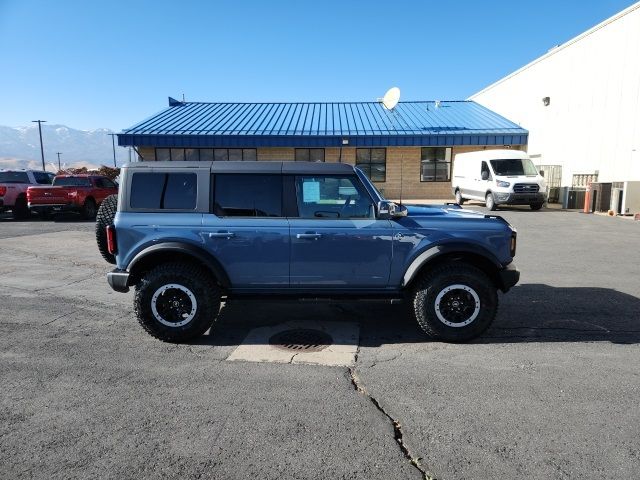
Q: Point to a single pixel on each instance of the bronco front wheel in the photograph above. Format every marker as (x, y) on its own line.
(455, 302)
(176, 302)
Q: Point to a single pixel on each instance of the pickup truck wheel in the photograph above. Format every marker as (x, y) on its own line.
(20, 210)
(88, 211)
(536, 206)
(455, 302)
(459, 199)
(104, 218)
(490, 202)
(176, 302)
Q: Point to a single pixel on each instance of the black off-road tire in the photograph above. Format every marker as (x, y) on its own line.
(536, 206)
(104, 218)
(20, 210)
(459, 199)
(490, 202)
(88, 210)
(192, 278)
(436, 283)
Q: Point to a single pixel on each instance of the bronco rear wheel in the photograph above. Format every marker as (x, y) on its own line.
(455, 302)
(177, 302)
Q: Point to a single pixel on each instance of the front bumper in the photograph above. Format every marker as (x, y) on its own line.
(508, 277)
(119, 280)
(519, 198)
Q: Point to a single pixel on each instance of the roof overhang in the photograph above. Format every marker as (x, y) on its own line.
(318, 141)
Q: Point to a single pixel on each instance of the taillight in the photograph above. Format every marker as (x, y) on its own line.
(112, 247)
(514, 237)
(3, 190)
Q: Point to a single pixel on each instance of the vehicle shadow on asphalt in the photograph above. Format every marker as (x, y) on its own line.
(528, 313)
(64, 217)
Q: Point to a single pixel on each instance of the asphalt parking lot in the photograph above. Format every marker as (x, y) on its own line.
(552, 390)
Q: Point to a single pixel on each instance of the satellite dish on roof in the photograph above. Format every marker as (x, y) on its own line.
(391, 98)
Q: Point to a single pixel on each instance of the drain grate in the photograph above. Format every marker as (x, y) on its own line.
(301, 340)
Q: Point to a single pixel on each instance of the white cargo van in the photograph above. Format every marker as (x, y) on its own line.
(498, 177)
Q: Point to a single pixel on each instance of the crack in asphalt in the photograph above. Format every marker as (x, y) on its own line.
(62, 316)
(397, 427)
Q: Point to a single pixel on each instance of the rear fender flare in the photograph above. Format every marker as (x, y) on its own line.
(187, 249)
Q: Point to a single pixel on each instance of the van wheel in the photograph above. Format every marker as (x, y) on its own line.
(536, 206)
(176, 302)
(490, 202)
(459, 199)
(455, 302)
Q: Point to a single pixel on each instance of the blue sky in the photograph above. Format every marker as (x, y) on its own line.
(89, 64)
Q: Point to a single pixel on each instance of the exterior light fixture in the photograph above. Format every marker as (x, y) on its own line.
(345, 141)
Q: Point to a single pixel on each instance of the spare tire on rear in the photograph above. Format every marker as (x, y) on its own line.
(104, 218)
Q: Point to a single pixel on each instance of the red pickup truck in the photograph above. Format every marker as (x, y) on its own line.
(80, 193)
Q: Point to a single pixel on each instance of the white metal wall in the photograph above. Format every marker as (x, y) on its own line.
(593, 120)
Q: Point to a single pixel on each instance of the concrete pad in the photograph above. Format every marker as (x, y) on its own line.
(342, 352)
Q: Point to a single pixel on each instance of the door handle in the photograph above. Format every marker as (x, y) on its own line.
(309, 236)
(221, 234)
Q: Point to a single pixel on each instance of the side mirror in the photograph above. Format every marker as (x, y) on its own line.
(485, 175)
(542, 173)
(388, 210)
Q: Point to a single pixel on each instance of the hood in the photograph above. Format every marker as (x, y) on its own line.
(449, 209)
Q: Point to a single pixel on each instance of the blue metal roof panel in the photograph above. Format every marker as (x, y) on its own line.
(267, 124)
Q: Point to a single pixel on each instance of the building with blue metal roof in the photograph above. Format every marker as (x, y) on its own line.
(415, 142)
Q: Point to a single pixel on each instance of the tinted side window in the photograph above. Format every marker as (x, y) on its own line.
(332, 197)
(247, 195)
(175, 191)
(42, 178)
(106, 183)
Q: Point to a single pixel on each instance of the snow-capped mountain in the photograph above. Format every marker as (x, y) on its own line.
(20, 147)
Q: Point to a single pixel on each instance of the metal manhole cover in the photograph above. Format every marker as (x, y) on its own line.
(301, 340)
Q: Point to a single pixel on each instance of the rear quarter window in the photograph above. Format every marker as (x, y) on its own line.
(164, 191)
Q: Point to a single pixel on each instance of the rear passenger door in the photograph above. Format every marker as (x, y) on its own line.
(247, 231)
(336, 240)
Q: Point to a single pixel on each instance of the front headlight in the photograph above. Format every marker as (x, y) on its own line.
(500, 183)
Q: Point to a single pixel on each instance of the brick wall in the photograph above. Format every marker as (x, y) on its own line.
(408, 157)
(147, 153)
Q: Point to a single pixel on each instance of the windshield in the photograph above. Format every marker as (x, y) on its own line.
(513, 166)
(71, 182)
(14, 177)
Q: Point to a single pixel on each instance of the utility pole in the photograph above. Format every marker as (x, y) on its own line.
(59, 153)
(113, 142)
(40, 122)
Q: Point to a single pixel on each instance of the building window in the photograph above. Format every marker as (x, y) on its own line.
(309, 154)
(435, 164)
(373, 162)
(205, 154)
(234, 154)
(163, 154)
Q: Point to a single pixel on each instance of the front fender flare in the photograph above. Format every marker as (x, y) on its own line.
(442, 249)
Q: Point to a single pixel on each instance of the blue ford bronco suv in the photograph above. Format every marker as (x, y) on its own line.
(188, 235)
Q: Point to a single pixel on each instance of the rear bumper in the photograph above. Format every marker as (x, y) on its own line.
(119, 280)
(58, 207)
(508, 277)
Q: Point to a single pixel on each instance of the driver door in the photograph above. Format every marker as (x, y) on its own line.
(336, 239)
